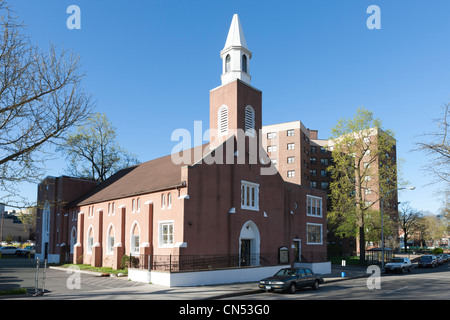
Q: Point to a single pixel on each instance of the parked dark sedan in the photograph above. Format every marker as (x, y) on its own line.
(428, 261)
(291, 279)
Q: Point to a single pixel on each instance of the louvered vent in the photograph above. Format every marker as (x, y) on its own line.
(223, 120)
(249, 118)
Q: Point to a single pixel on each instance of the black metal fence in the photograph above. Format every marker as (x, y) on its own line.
(178, 263)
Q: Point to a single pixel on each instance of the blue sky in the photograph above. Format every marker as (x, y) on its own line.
(150, 66)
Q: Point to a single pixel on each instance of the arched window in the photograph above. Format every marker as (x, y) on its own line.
(110, 240)
(73, 239)
(249, 120)
(227, 63)
(163, 201)
(135, 232)
(244, 63)
(223, 120)
(90, 240)
(46, 218)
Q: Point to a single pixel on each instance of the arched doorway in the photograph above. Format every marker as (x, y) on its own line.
(249, 244)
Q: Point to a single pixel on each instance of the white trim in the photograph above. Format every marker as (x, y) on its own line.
(132, 245)
(321, 233)
(160, 241)
(244, 200)
(109, 249)
(319, 215)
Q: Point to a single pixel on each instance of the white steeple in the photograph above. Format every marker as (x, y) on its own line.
(235, 55)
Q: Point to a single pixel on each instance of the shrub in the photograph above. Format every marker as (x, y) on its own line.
(128, 261)
(438, 251)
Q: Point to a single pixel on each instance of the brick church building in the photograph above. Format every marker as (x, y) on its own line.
(224, 198)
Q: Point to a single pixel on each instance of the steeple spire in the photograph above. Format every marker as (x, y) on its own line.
(235, 55)
(236, 36)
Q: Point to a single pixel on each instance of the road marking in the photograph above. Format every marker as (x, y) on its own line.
(396, 290)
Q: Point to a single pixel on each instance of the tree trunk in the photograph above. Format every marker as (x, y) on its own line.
(362, 247)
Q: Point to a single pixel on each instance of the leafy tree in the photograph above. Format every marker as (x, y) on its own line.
(363, 171)
(93, 151)
(41, 97)
(434, 229)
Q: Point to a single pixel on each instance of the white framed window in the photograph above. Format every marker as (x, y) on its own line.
(291, 173)
(290, 146)
(313, 233)
(227, 63)
(313, 206)
(271, 148)
(133, 205)
(169, 200)
(249, 195)
(90, 240)
(46, 218)
(73, 239)
(271, 135)
(222, 120)
(110, 240)
(165, 238)
(135, 239)
(367, 191)
(163, 201)
(244, 63)
(274, 161)
(290, 159)
(290, 133)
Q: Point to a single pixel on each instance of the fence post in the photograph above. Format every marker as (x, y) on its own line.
(36, 288)
(44, 276)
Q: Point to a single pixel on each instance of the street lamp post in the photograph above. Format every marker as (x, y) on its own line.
(382, 229)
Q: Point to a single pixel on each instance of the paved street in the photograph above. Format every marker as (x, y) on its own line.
(425, 284)
(421, 284)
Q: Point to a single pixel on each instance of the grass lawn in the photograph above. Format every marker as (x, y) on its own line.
(95, 269)
(13, 292)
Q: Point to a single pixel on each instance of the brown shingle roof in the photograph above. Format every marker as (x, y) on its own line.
(147, 177)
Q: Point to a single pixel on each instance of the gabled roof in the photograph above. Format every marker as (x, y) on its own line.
(147, 177)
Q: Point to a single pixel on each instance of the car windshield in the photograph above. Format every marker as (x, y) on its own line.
(396, 260)
(426, 258)
(286, 272)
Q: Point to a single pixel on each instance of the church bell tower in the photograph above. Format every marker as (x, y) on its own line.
(235, 106)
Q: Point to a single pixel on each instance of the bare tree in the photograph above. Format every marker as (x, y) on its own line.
(41, 97)
(437, 146)
(409, 221)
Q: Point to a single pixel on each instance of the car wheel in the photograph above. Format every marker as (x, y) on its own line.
(410, 269)
(292, 288)
(315, 286)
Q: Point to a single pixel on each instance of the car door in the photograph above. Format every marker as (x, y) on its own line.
(301, 278)
(310, 278)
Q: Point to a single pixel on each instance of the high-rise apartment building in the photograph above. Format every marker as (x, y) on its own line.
(302, 158)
